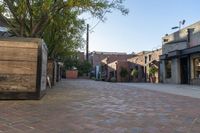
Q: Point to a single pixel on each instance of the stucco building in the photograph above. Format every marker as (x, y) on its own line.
(180, 59)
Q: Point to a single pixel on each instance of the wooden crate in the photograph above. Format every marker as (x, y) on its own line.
(72, 74)
(23, 68)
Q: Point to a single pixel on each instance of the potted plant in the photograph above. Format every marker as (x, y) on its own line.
(152, 71)
(134, 74)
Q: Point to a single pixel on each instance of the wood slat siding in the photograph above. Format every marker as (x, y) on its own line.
(23, 63)
(17, 83)
(44, 55)
(18, 54)
(20, 44)
(51, 71)
(55, 71)
(18, 67)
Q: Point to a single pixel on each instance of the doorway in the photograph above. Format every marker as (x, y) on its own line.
(184, 70)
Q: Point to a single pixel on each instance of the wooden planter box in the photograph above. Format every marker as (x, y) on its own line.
(52, 71)
(72, 74)
(59, 71)
(23, 68)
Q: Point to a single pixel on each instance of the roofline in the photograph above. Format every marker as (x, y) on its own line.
(185, 28)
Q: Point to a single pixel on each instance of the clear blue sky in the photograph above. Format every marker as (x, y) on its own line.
(142, 29)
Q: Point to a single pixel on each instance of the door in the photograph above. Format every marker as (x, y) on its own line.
(184, 70)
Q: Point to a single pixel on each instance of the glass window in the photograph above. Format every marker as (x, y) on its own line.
(168, 68)
(197, 67)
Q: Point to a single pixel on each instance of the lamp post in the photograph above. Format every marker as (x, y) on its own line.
(180, 24)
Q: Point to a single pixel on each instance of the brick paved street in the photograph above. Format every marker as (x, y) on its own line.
(84, 106)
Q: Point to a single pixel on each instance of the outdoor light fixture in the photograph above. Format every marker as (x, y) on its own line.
(179, 27)
(176, 27)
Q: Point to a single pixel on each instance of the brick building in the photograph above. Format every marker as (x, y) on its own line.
(114, 69)
(100, 61)
(137, 62)
(180, 59)
(142, 63)
(97, 57)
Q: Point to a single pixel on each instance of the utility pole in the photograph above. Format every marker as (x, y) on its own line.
(87, 43)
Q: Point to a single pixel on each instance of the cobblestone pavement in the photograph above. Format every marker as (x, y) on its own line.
(177, 89)
(84, 106)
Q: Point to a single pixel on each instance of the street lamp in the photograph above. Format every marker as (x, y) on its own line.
(179, 27)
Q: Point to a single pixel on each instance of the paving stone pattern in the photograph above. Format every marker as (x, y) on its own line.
(85, 106)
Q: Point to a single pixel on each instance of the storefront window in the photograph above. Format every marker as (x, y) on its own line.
(168, 66)
(197, 67)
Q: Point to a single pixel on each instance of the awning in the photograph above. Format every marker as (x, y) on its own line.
(179, 53)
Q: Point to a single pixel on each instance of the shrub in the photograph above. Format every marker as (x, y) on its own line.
(134, 73)
(153, 70)
(123, 72)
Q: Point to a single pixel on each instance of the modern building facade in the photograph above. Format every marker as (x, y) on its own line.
(180, 59)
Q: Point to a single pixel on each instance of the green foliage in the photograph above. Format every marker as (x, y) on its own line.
(134, 73)
(153, 70)
(57, 21)
(84, 67)
(64, 36)
(123, 72)
(30, 18)
(70, 62)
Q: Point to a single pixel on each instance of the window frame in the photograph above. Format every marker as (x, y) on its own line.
(195, 69)
(168, 71)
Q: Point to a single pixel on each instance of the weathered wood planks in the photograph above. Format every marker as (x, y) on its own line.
(18, 54)
(18, 67)
(23, 68)
(51, 71)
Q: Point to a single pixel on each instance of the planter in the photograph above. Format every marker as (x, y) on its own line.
(72, 74)
(52, 71)
(23, 68)
(153, 79)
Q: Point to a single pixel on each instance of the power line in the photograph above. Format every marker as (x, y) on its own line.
(98, 22)
(100, 19)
